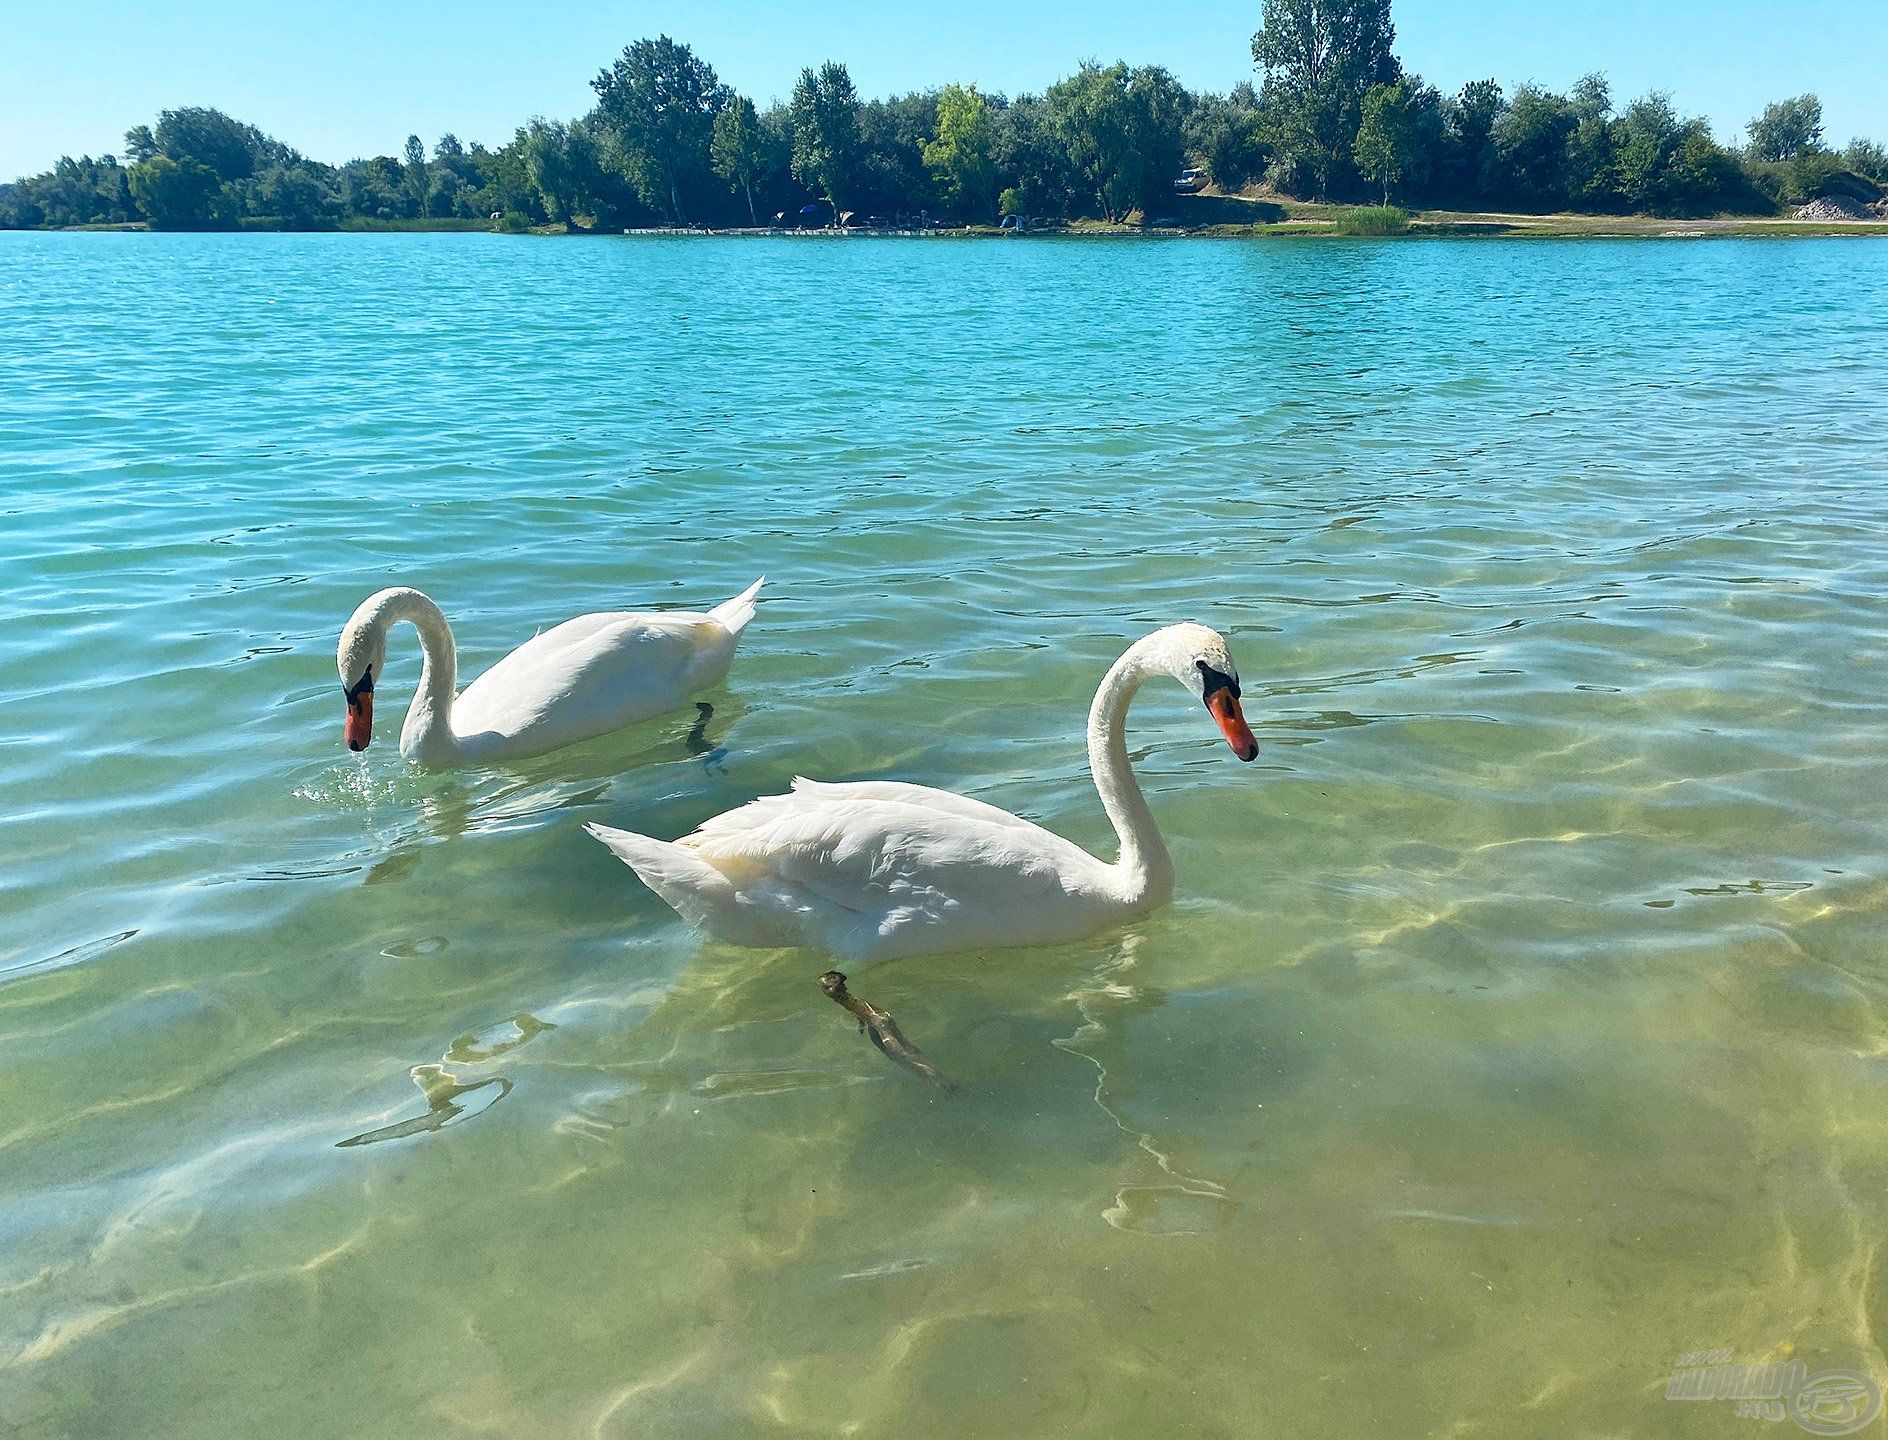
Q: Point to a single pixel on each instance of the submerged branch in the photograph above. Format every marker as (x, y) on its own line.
(882, 1030)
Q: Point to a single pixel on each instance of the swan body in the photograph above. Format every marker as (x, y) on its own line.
(582, 678)
(877, 870)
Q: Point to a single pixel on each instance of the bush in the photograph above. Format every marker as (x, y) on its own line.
(1371, 220)
(1867, 159)
(1703, 178)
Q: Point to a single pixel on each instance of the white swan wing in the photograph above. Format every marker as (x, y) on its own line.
(828, 792)
(878, 862)
(594, 673)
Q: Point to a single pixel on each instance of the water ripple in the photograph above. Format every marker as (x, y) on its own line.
(1519, 1026)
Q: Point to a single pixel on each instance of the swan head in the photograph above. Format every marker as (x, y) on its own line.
(362, 658)
(1200, 659)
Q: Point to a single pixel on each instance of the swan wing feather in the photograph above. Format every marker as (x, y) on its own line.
(944, 801)
(894, 855)
(594, 673)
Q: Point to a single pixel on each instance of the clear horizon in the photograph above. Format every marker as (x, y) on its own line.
(350, 81)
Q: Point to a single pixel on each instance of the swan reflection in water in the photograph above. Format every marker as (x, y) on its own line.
(449, 808)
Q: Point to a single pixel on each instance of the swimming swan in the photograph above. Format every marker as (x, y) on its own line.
(877, 869)
(586, 677)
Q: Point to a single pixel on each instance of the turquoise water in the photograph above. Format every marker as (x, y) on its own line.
(1519, 1024)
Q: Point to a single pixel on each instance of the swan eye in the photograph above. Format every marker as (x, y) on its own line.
(1216, 680)
(362, 686)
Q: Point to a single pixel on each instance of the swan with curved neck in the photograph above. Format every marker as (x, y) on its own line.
(582, 678)
(878, 869)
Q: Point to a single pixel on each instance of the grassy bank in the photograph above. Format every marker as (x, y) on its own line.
(1465, 223)
(1238, 215)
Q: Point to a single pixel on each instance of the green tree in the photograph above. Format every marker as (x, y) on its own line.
(1592, 175)
(1029, 151)
(175, 194)
(1321, 57)
(891, 175)
(659, 102)
(1867, 159)
(84, 191)
(456, 179)
(504, 182)
(1157, 116)
(960, 156)
(1787, 129)
(1228, 136)
(1386, 135)
(417, 177)
(374, 188)
(778, 190)
(1591, 97)
(1124, 133)
(140, 144)
(1531, 148)
(1648, 133)
(301, 195)
(1472, 119)
(562, 166)
(1087, 111)
(737, 148)
(235, 151)
(826, 132)
(20, 209)
(1700, 174)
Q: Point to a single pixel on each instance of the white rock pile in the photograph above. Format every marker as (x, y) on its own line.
(1830, 208)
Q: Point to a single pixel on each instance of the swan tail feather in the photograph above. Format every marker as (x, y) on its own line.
(734, 614)
(688, 884)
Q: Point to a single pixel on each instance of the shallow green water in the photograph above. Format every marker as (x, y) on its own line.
(1519, 1024)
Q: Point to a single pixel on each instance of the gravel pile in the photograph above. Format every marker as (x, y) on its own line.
(1830, 209)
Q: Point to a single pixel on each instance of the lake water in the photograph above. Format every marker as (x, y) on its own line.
(1521, 1022)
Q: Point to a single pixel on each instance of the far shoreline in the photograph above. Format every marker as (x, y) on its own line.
(1429, 224)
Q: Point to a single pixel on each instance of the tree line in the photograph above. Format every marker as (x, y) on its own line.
(1333, 115)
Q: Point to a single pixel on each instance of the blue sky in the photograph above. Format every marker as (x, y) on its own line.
(343, 78)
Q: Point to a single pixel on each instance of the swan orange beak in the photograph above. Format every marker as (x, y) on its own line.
(1224, 706)
(359, 728)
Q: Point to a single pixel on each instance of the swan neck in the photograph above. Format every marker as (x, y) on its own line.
(1144, 866)
(427, 733)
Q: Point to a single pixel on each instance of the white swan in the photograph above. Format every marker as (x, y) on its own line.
(586, 677)
(877, 869)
